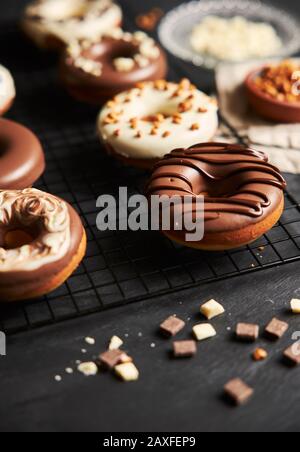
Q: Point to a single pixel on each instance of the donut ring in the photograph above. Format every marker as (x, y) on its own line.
(42, 241)
(95, 71)
(141, 126)
(51, 24)
(243, 193)
(7, 90)
(22, 159)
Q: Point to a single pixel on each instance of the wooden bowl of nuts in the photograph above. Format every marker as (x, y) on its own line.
(274, 92)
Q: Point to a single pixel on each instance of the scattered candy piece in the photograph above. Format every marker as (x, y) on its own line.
(111, 358)
(276, 328)
(212, 309)
(57, 378)
(292, 354)
(238, 391)
(115, 343)
(127, 372)
(90, 340)
(247, 332)
(172, 325)
(295, 306)
(184, 349)
(89, 369)
(204, 331)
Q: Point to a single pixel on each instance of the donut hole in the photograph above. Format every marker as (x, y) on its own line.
(165, 111)
(16, 239)
(107, 51)
(19, 236)
(4, 146)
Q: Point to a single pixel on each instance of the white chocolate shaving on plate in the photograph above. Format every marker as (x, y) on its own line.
(7, 87)
(156, 117)
(70, 19)
(32, 207)
(235, 39)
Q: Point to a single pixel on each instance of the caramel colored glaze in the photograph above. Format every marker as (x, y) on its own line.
(29, 282)
(22, 159)
(240, 187)
(97, 89)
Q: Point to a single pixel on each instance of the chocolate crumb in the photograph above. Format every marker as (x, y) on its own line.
(292, 354)
(276, 329)
(184, 349)
(247, 332)
(171, 326)
(238, 391)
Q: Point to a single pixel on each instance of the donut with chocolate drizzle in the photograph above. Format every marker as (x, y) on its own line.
(243, 192)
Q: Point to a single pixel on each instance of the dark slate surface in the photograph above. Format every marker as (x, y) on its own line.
(170, 395)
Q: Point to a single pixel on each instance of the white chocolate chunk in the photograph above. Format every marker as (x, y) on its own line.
(204, 331)
(295, 306)
(89, 369)
(127, 371)
(212, 309)
(124, 64)
(115, 343)
(90, 340)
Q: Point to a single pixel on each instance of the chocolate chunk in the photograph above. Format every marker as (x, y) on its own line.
(247, 332)
(184, 349)
(276, 329)
(292, 354)
(111, 358)
(238, 391)
(172, 325)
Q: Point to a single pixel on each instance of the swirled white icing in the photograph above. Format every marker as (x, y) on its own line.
(7, 87)
(183, 116)
(30, 208)
(70, 19)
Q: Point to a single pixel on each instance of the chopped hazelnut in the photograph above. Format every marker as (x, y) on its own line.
(260, 354)
(185, 106)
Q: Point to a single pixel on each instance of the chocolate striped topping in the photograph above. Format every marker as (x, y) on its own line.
(234, 179)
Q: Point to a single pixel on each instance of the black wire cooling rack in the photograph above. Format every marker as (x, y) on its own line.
(120, 267)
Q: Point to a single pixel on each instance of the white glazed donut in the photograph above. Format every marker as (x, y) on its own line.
(7, 90)
(144, 124)
(53, 23)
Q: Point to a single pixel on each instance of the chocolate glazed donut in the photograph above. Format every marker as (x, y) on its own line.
(22, 159)
(89, 85)
(243, 193)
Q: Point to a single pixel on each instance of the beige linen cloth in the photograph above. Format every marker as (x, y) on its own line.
(280, 141)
